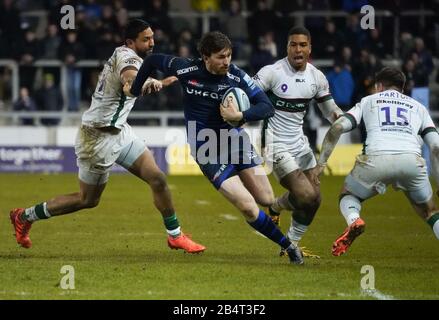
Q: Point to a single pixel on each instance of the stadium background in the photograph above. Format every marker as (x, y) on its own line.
(47, 76)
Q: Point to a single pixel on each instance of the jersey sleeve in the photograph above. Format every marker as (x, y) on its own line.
(355, 114)
(263, 79)
(248, 85)
(323, 94)
(427, 124)
(127, 60)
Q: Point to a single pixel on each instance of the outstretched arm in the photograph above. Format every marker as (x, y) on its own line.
(151, 63)
(340, 126)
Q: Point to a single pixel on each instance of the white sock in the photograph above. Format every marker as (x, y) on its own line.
(434, 224)
(436, 229)
(282, 203)
(350, 208)
(296, 232)
(174, 233)
(30, 215)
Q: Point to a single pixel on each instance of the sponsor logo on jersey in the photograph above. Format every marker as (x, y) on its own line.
(233, 77)
(249, 82)
(300, 80)
(223, 86)
(204, 94)
(195, 83)
(186, 70)
(131, 61)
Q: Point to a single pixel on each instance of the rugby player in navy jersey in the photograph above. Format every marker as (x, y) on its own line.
(224, 153)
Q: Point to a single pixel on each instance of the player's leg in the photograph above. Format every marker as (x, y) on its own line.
(256, 182)
(137, 159)
(87, 197)
(417, 189)
(428, 211)
(234, 190)
(362, 183)
(302, 197)
(288, 170)
(94, 163)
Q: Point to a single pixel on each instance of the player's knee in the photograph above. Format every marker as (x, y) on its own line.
(266, 199)
(247, 207)
(158, 182)
(88, 203)
(310, 199)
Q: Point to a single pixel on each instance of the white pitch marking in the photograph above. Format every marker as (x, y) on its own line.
(229, 216)
(259, 234)
(202, 202)
(378, 295)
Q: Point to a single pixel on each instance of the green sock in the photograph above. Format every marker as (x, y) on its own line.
(434, 224)
(36, 212)
(172, 225)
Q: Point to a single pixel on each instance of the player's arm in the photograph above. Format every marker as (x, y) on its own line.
(431, 138)
(261, 109)
(341, 125)
(329, 109)
(128, 75)
(324, 99)
(152, 62)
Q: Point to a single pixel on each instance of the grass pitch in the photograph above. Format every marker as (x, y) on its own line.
(118, 250)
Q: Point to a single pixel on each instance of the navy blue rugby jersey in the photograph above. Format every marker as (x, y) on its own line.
(203, 90)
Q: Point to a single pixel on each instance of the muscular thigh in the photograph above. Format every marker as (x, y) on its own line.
(257, 183)
(299, 186)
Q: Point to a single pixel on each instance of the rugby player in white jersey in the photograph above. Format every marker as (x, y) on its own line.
(105, 138)
(292, 83)
(395, 125)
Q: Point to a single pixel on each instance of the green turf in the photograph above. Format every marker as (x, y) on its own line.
(119, 251)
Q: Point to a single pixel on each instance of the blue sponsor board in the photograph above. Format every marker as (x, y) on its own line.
(55, 159)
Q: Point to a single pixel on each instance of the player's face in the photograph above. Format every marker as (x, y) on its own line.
(219, 62)
(298, 49)
(144, 43)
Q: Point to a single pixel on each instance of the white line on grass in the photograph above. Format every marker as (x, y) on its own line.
(229, 216)
(259, 234)
(378, 295)
(202, 202)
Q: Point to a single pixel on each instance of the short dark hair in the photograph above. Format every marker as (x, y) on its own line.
(134, 27)
(213, 42)
(299, 30)
(391, 77)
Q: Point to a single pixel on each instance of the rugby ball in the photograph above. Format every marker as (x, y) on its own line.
(239, 99)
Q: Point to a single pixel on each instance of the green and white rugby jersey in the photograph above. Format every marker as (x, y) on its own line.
(395, 123)
(291, 92)
(110, 106)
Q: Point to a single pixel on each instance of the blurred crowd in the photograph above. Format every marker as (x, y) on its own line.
(257, 28)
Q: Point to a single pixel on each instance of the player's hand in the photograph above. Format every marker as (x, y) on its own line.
(315, 174)
(126, 89)
(229, 112)
(168, 81)
(151, 85)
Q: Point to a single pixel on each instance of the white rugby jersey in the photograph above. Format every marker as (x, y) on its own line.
(109, 105)
(290, 91)
(394, 123)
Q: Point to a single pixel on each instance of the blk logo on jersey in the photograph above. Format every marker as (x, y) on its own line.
(300, 80)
